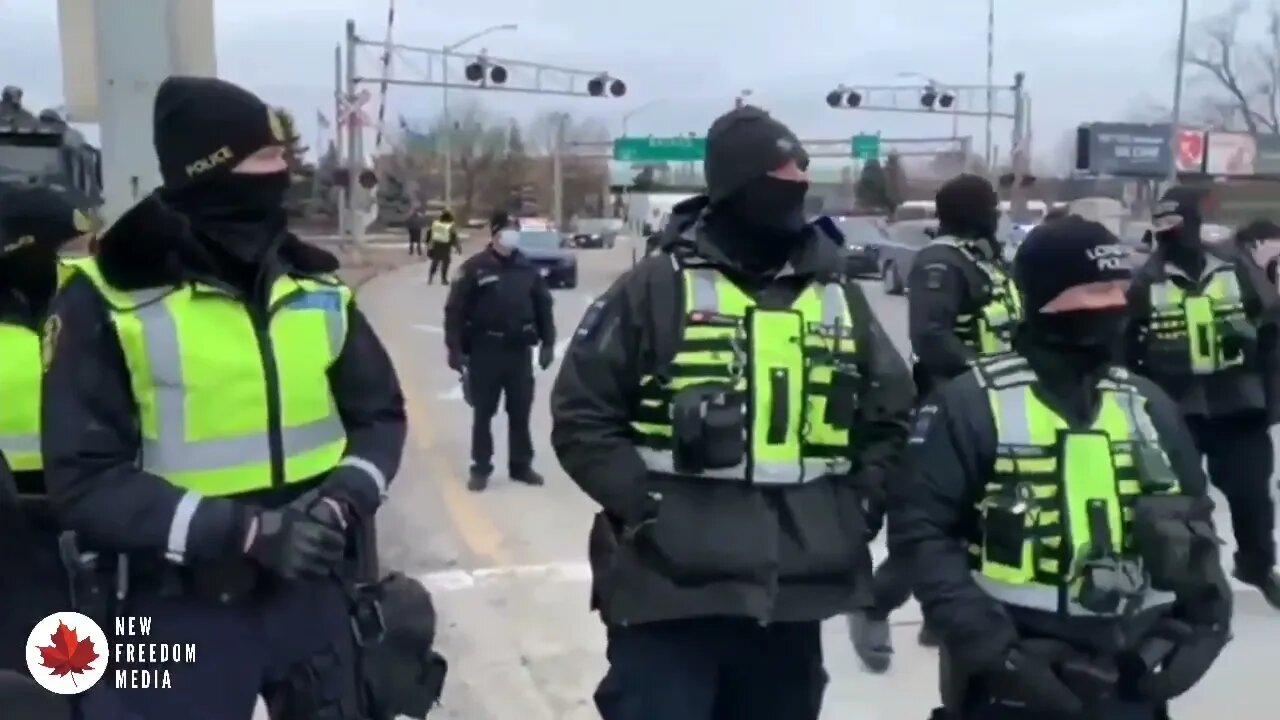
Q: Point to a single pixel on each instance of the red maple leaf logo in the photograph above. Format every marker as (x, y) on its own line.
(69, 654)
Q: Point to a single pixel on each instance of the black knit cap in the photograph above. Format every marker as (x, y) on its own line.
(1059, 255)
(499, 220)
(204, 127)
(744, 144)
(38, 216)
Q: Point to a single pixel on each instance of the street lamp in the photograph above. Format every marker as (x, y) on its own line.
(498, 77)
(627, 115)
(1176, 120)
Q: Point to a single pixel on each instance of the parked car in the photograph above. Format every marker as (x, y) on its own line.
(595, 232)
(864, 236)
(557, 264)
(898, 252)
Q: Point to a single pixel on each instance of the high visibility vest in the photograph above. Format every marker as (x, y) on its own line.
(1200, 331)
(440, 231)
(20, 373)
(785, 363)
(1057, 474)
(224, 408)
(989, 329)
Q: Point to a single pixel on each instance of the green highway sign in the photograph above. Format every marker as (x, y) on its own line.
(866, 147)
(656, 149)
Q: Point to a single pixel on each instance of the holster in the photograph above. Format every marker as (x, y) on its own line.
(89, 593)
(400, 672)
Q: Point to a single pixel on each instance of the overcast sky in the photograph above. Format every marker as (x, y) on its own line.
(1084, 59)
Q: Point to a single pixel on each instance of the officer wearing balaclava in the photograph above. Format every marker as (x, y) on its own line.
(34, 224)
(220, 416)
(735, 409)
(1203, 327)
(1040, 489)
(961, 304)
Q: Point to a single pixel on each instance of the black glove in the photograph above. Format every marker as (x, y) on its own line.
(456, 361)
(1027, 676)
(870, 485)
(1194, 652)
(325, 508)
(294, 545)
(546, 354)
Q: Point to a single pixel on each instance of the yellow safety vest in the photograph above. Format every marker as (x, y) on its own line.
(990, 330)
(1054, 475)
(1200, 331)
(20, 373)
(440, 232)
(790, 360)
(202, 376)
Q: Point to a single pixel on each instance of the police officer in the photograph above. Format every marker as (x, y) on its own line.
(34, 224)
(220, 416)
(1055, 515)
(733, 407)
(414, 224)
(496, 312)
(1260, 240)
(961, 304)
(1204, 329)
(442, 243)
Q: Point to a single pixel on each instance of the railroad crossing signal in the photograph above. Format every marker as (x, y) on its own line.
(352, 110)
(865, 147)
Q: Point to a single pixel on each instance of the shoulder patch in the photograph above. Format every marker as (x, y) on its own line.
(935, 275)
(49, 339)
(591, 319)
(316, 300)
(923, 421)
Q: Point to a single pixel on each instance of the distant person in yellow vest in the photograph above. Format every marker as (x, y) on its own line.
(34, 223)
(221, 416)
(442, 243)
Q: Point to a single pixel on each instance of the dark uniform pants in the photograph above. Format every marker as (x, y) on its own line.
(891, 585)
(415, 242)
(1241, 459)
(713, 669)
(33, 585)
(501, 371)
(441, 256)
(242, 649)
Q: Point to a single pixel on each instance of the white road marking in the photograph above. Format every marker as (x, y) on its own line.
(443, 581)
(435, 329)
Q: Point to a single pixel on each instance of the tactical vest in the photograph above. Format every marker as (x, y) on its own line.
(440, 232)
(20, 374)
(224, 407)
(1059, 505)
(990, 328)
(1201, 331)
(794, 371)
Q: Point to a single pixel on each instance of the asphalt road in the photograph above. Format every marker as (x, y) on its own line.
(508, 566)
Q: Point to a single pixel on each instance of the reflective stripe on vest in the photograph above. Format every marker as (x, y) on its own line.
(1186, 329)
(198, 374)
(20, 373)
(795, 359)
(991, 330)
(1055, 473)
(440, 231)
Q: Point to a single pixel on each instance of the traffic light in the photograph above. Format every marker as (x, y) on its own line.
(844, 97)
(946, 100)
(596, 86)
(475, 72)
(367, 179)
(928, 97)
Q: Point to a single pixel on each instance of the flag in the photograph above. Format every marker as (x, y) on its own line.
(322, 121)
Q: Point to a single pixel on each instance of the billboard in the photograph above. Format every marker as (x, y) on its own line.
(1267, 160)
(1133, 149)
(1231, 154)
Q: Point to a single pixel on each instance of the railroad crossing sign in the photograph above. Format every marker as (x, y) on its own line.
(865, 147)
(352, 109)
(659, 149)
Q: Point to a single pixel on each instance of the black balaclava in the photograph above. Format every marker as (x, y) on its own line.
(755, 217)
(34, 224)
(204, 127)
(1182, 208)
(969, 209)
(1055, 257)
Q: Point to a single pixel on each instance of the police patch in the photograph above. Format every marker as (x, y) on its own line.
(935, 276)
(590, 321)
(923, 421)
(316, 300)
(49, 339)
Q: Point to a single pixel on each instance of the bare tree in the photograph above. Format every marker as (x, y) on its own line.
(1246, 73)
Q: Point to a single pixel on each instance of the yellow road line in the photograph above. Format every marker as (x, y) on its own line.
(474, 524)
